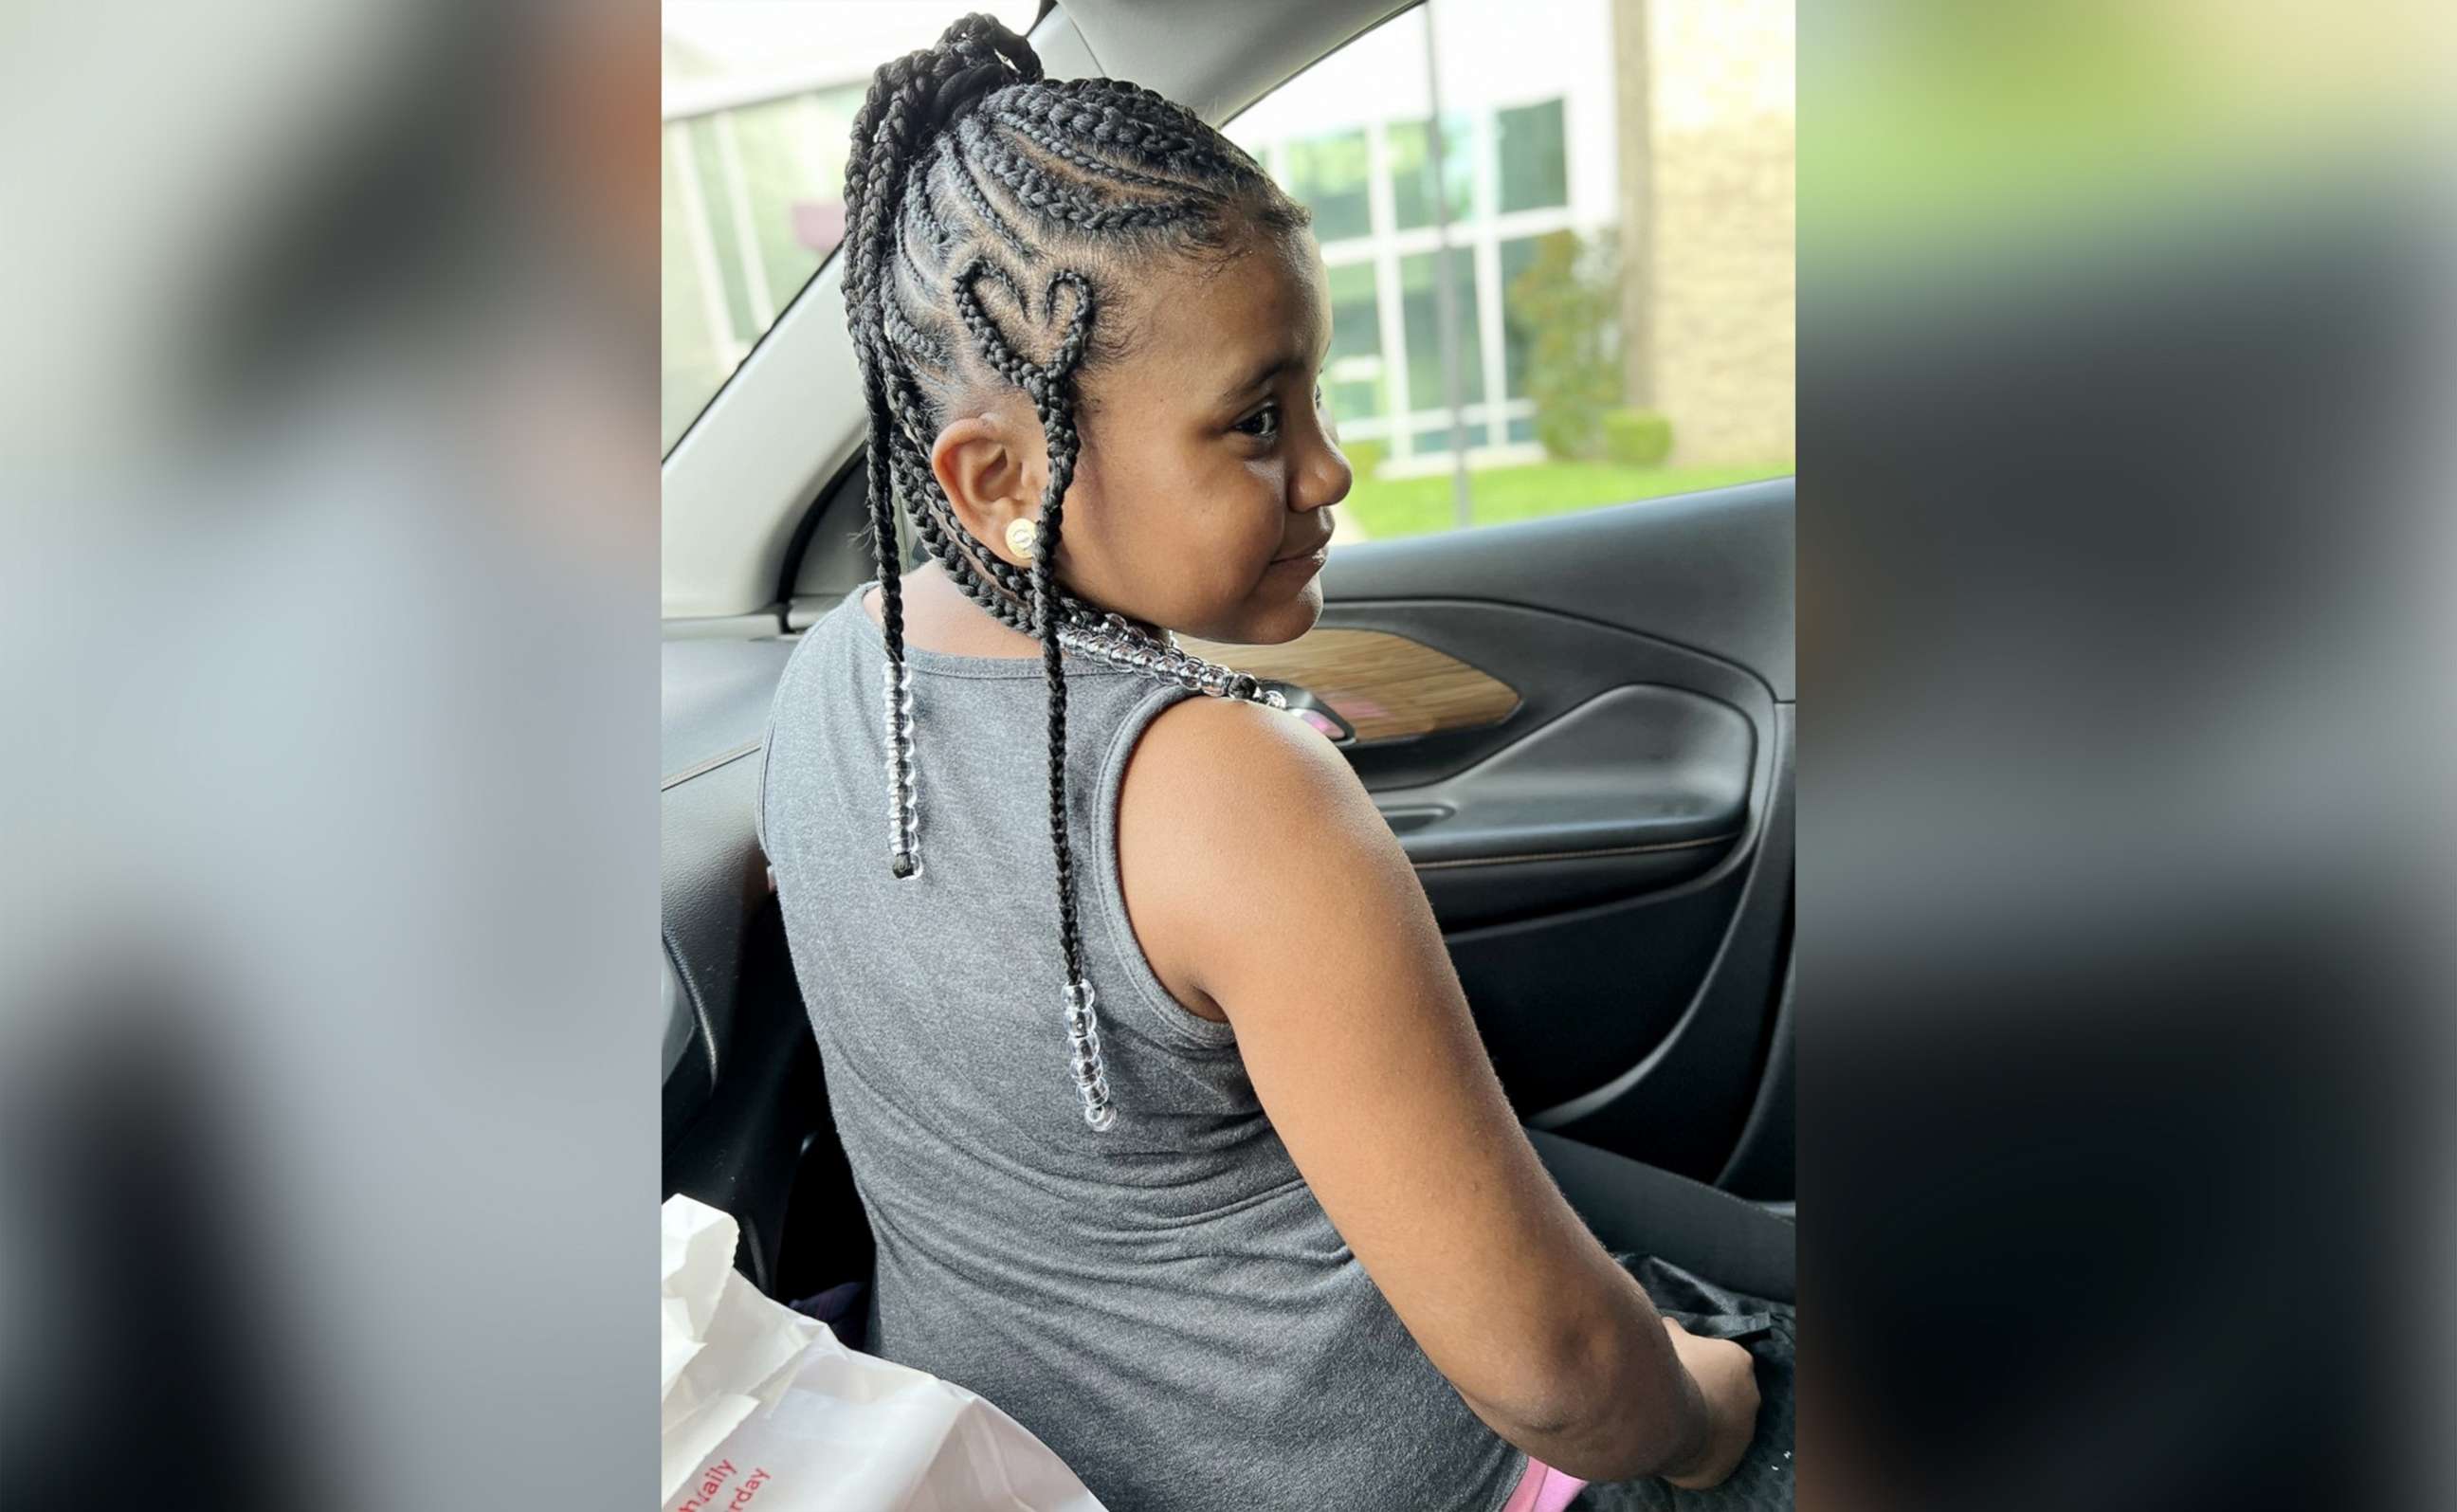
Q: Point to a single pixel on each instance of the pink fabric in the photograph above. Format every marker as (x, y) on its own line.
(1541, 1488)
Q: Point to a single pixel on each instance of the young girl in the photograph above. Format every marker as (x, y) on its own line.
(1201, 1173)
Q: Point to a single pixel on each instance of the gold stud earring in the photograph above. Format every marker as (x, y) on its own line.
(1020, 534)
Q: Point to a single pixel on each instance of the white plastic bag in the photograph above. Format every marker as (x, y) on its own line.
(765, 1411)
(728, 1352)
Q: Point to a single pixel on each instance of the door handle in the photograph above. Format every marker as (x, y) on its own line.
(1314, 712)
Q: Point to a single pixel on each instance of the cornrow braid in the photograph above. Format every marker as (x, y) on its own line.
(907, 99)
(971, 172)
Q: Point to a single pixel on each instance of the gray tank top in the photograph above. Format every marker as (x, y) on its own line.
(1166, 1304)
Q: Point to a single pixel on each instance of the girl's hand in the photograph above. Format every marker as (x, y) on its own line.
(1727, 1376)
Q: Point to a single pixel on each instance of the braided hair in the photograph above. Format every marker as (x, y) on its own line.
(969, 169)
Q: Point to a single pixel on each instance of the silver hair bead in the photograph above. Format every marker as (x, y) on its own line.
(1083, 1034)
(904, 811)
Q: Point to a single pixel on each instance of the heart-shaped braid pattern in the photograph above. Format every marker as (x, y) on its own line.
(991, 217)
(1039, 380)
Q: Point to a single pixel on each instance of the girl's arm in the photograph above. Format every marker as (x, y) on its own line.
(1254, 861)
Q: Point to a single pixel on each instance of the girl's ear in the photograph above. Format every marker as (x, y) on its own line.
(992, 473)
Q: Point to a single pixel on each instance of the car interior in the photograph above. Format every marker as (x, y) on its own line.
(1579, 726)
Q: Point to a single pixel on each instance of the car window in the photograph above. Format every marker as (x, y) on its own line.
(1615, 215)
(758, 107)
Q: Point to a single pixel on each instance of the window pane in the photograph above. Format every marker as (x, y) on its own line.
(784, 149)
(1356, 386)
(710, 178)
(696, 349)
(1435, 440)
(1534, 166)
(1518, 327)
(1419, 297)
(1412, 171)
(1326, 174)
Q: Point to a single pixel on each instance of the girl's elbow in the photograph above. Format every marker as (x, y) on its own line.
(1601, 1416)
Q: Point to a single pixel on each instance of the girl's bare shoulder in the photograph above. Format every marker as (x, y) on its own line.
(1201, 759)
(1230, 814)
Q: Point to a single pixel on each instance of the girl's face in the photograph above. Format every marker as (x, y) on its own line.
(1206, 457)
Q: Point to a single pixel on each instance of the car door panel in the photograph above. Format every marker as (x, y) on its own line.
(1638, 767)
(1683, 1100)
(1611, 864)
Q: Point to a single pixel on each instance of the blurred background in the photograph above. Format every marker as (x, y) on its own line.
(2125, 817)
(327, 649)
(329, 629)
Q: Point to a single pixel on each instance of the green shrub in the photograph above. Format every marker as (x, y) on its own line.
(1565, 307)
(1636, 438)
(1365, 457)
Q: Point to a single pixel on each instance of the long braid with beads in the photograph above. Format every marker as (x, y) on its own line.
(971, 172)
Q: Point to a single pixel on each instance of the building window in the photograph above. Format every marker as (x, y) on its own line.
(1328, 174)
(1420, 301)
(1412, 171)
(1516, 257)
(1535, 162)
(1355, 386)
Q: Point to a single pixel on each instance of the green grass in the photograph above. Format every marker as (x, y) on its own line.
(1499, 496)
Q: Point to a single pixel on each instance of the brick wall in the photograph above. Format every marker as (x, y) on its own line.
(1716, 193)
